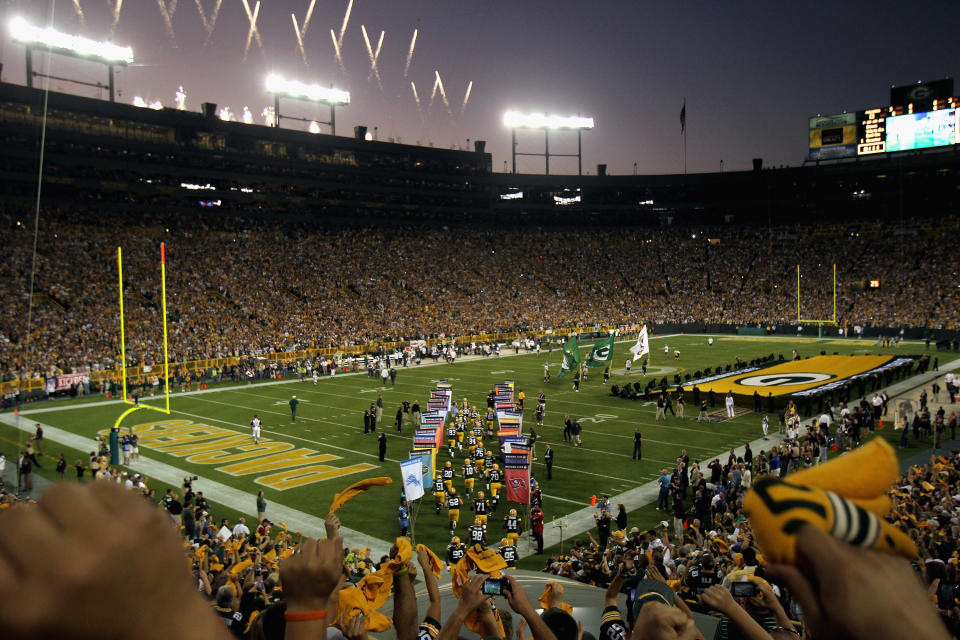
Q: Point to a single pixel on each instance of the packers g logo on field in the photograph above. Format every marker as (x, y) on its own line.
(783, 379)
(794, 376)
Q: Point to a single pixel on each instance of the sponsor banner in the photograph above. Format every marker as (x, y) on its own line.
(518, 485)
(509, 439)
(428, 437)
(411, 472)
(68, 380)
(794, 376)
(833, 122)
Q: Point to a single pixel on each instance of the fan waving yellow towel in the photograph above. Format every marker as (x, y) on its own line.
(484, 561)
(553, 597)
(845, 497)
(356, 489)
(436, 566)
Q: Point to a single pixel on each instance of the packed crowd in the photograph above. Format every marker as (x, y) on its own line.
(245, 286)
(706, 538)
(205, 579)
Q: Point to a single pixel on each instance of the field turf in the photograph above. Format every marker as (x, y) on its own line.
(330, 421)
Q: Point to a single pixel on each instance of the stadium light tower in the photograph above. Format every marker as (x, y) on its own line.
(516, 120)
(53, 41)
(282, 88)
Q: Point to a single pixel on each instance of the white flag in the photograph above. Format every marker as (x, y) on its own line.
(412, 473)
(643, 345)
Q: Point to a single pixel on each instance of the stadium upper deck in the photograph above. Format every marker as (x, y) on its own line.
(164, 160)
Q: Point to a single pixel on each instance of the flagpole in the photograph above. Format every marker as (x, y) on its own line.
(684, 135)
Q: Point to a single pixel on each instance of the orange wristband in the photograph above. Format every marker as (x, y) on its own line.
(305, 616)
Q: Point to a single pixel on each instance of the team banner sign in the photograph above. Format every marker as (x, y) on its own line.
(571, 356)
(643, 344)
(602, 354)
(517, 476)
(799, 377)
(411, 472)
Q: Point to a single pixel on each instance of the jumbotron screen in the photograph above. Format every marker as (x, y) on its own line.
(884, 130)
(922, 130)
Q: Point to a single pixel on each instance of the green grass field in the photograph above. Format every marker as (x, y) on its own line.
(330, 424)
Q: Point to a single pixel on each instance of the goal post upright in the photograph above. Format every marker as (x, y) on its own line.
(123, 340)
(822, 321)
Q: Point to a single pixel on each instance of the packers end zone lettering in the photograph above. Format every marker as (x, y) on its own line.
(205, 444)
(794, 376)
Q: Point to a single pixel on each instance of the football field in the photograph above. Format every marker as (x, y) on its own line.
(300, 465)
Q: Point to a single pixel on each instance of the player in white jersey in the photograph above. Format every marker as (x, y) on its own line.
(766, 426)
(255, 429)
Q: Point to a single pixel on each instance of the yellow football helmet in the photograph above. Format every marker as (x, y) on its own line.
(513, 512)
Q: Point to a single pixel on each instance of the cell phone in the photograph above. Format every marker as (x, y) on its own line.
(743, 589)
(495, 586)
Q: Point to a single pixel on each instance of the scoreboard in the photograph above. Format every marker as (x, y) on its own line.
(885, 130)
(872, 131)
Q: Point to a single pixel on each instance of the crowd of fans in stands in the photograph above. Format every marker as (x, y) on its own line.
(242, 287)
(253, 578)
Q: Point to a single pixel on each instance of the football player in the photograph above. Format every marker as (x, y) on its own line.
(469, 474)
(511, 522)
(480, 507)
(508, 550)
(448, 474)
(453, 504)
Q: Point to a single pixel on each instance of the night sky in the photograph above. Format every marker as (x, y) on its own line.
(751, 72)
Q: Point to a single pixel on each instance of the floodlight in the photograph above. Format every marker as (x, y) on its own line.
(304, 91)
(281, 87)
(517, 120)
(50, 38)
(547, 123)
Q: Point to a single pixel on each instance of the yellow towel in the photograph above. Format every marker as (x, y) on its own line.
(547, 598)
(352, 601)
(844, 497)
(436, 566)
(356, 489)
(404, 553)
(484, 561)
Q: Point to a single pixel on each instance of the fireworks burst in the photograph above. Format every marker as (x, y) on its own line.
(297, 32)
(301, 31)
(306, 19)
(116, 16)
(180, 98)
(226, 115)
(167, 11)
(79, 10)
(336, 50)
(416, 97)
(413, 43)
(209, 20)
(374, 55)
(247, 117)
(314, 127)
(466, 97)
(253, 32)
(343, 27)
(140, 102)
(438, 86)
(269, 116)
